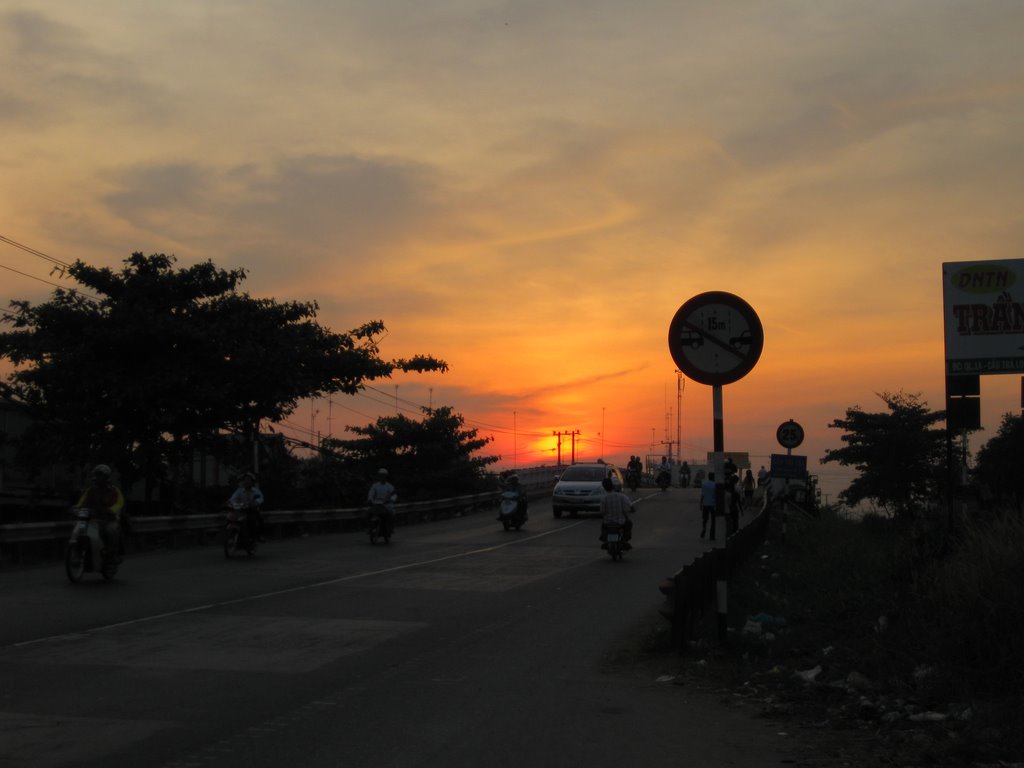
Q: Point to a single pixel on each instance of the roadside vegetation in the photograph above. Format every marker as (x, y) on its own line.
(840, 627)
(895, 638)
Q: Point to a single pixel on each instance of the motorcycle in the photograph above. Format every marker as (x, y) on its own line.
(510, 513)
(633, 479)
(615, 540)
(664, 479)
(379, 527)
(86, 549)
(240, 532)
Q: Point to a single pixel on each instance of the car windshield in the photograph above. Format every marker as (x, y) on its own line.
(578, 474)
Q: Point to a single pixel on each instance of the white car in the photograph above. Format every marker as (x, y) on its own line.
(579, 488)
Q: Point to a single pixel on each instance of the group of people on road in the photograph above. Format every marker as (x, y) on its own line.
(616, 507)
(739, 494)
(107, 501)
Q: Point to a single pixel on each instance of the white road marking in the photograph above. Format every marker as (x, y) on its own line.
(289, 590)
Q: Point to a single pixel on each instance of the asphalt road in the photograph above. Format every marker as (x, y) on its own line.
(459, 644)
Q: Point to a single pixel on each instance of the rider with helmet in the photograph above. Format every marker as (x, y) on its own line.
(383, 492)
(616, 507)
(249, 498)
(107, 503)
(511, 486)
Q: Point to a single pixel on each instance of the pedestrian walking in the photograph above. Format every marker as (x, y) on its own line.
(748, 488)
(707, 505)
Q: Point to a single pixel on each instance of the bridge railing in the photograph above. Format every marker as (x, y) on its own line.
(49, 537)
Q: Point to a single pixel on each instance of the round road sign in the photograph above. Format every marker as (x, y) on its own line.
(715, 338)
(789, 434)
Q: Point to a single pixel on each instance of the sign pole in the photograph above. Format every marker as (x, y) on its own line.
(785, 502)
(716, 338)
(719, 556)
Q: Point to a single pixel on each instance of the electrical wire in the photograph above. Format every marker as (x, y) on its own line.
(418, 408)
(56, 262)
(90, 297)
(58, 266)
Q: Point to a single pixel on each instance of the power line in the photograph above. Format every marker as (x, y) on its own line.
(59, 267)
(91, 298)
(417, 408)
(34, 252)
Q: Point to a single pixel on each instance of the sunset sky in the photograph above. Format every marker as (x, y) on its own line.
(530, 190)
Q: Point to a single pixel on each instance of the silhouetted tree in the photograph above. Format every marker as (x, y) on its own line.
(898, 453)
(431, 458)
(998, 466)
(163, 359)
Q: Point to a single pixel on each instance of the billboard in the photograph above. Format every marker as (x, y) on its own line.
(983, 307)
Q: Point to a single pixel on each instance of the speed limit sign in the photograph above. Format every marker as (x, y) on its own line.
(789, 434)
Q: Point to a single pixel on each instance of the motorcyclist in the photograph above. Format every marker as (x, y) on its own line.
(616, 507)
(512, 486)
(664, 474)
(383, 492)
(635, 468)
(249, 498)
(107, 504)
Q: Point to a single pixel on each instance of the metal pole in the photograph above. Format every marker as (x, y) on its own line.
(602, 433)
(785, 501)
(719, 561)
(256, 449)
(679, 416)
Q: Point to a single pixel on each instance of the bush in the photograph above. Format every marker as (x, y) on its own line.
(968, 614)
(930, 610)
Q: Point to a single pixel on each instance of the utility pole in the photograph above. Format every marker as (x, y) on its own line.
(680, 386)
(515, 439)
(669, 443)
(571, 434)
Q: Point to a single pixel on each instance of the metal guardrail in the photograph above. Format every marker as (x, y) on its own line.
(691, 591)
(53, 533)
(47, 537)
